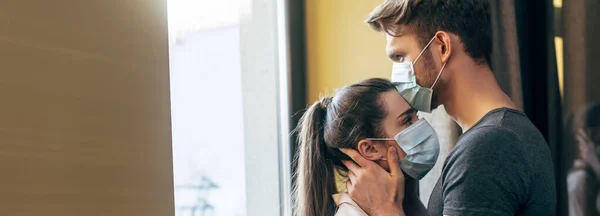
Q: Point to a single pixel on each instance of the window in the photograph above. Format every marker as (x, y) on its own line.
(226, 106)
(206, 103)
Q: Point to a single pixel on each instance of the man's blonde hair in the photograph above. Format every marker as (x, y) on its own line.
(389, 13)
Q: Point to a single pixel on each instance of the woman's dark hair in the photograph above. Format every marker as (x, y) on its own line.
(589, 117)
(341, 121)
(588, 120)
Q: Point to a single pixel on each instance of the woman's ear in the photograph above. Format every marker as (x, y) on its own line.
(371, 150)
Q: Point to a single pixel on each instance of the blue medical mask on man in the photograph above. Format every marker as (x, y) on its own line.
(403, 77)
(422, 148)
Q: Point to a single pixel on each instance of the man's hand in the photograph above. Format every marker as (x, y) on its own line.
(375, 190)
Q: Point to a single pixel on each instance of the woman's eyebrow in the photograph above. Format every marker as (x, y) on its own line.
(406, 112)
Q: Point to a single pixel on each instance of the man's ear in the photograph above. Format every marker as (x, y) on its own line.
(444, 48)
(370, 150)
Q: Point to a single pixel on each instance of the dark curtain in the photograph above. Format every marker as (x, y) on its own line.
(581, 29)
(505, 49)
(524, 63)
(541, 94)
(297, 60)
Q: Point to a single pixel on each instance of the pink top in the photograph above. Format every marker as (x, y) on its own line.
(347, 206)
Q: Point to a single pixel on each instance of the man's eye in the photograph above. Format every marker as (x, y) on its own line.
(400, 58)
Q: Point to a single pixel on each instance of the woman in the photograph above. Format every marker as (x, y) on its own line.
(371, 117)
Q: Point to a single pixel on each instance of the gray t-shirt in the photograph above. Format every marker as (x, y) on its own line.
(501, 166)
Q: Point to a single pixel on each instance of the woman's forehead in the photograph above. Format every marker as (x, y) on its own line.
(394, 102)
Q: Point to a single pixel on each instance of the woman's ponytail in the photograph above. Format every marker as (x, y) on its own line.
(315, 181)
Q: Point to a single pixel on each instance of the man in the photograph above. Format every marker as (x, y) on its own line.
(501, 165)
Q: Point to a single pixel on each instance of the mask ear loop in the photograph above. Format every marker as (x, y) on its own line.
(422, 51)
(438, 76)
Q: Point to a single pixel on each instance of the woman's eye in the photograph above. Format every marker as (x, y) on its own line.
(408, 120)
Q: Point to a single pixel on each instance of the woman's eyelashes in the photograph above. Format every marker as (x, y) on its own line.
(408, 120)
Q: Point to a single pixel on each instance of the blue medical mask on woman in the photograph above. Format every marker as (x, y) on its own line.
(421, 144)
(403, 77)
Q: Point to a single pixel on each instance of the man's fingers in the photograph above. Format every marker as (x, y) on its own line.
(393, 162)
(352, 167)
(356, 157)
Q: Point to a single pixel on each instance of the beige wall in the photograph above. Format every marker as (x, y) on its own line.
(341, 48)
(85, 117)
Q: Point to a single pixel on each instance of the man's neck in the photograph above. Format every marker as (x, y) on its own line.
(472, 93)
